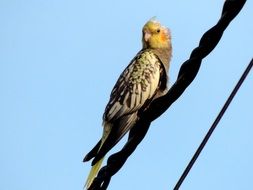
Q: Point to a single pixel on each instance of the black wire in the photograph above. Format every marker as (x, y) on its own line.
(212, 128)
(187, 73)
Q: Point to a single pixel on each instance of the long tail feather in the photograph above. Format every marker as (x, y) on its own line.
(96, 165)
(93, 173)
(93, 152)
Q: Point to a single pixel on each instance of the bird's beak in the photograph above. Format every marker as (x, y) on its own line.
(147, 35)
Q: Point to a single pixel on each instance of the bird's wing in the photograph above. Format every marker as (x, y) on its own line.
(137, 84)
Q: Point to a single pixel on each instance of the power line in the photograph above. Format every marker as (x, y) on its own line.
(187, 73)
(212, 128)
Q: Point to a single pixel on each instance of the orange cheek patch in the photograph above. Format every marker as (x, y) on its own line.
(163, 37)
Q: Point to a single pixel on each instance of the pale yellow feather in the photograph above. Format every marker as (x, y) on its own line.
(95, 169)
(93, 173)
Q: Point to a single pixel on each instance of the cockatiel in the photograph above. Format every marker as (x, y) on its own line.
(143, 80)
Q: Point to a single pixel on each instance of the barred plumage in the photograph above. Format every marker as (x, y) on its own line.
(136, 84)
(143, 80)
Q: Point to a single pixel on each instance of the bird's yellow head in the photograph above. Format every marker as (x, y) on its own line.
(154, 35)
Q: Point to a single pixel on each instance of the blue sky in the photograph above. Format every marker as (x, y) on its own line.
(58, 63)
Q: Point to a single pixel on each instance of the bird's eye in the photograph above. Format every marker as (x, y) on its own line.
(158, 30)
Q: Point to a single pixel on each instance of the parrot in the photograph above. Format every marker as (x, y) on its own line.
(142, 81)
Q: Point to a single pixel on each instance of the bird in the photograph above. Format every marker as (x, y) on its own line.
(142, 81)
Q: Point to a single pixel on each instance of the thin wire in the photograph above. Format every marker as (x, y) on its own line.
(188, 71)
(215, 123)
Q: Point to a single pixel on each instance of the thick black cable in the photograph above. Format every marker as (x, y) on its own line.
(214, 125)
(187, 73)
